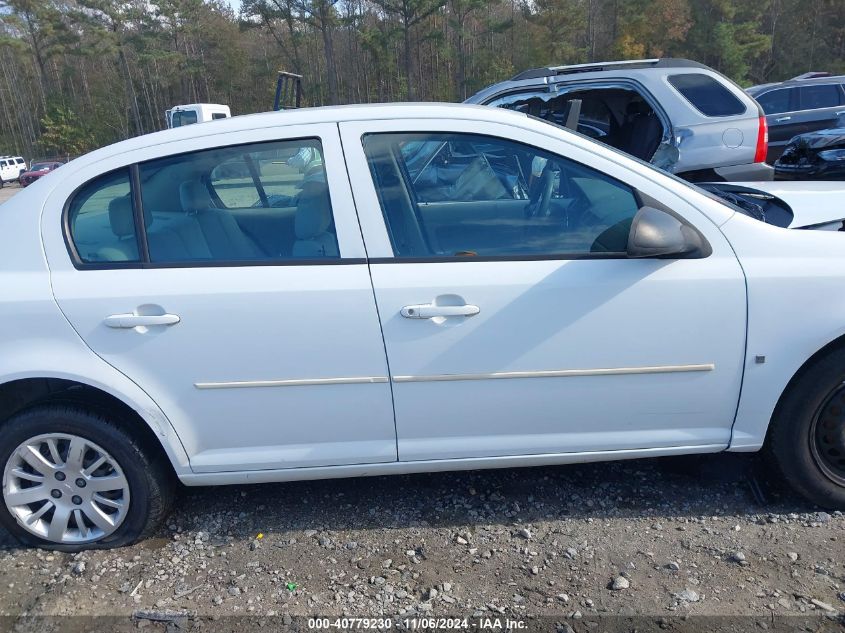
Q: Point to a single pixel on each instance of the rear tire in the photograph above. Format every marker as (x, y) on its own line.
(137, 485)
(806, 440)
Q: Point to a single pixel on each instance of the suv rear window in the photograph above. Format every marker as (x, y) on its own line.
(707, 95)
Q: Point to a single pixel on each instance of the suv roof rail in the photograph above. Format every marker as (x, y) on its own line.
(813, 74)
(552, 71)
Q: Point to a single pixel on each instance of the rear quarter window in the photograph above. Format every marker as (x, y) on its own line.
(820, 96)
(707, 95)
(101, 220)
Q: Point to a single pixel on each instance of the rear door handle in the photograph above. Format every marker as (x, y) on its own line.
(783, 118)
(429, 311)
(136, 320)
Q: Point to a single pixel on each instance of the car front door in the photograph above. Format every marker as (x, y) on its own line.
(514, 322)
(242, 301)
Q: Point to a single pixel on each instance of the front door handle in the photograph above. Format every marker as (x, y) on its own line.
(140, 320)
(783, 119)
(430, 311)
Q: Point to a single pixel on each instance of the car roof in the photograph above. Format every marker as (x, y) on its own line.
(798, 81)
(630, 64)
(302, 116)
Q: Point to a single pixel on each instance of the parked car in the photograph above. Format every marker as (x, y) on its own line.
(807, 103)
(678, 114)
(191, 113)
(36, 171)
(369, 309)
(11, 168)
(814, 156)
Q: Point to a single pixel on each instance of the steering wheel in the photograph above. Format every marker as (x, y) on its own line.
(539, 206)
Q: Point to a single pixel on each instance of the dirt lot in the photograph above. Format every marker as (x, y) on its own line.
(8, 191)
(658, 538)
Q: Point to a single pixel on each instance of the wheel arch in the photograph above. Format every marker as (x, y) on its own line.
(140, 417)
(835, 344)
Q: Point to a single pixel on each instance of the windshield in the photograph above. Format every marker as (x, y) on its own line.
(184, 117)
(41, 166)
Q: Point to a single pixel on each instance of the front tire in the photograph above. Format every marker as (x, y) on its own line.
(806, 441)
(73, 479)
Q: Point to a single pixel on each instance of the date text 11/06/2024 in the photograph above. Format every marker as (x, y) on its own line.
(417, 624)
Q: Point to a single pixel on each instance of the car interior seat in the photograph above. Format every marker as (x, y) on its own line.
(642, 130)
(313, 223)
(122, 221)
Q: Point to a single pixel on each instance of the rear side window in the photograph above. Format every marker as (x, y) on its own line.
(820, 96)
(101, 220)
(259, 202)
(707, 95)
(777, 101)
(466, 195)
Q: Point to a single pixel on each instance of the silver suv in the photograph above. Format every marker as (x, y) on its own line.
(678, 114)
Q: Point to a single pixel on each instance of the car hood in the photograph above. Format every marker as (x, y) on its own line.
(812, 202)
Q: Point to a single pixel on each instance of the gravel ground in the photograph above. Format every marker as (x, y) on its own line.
(8, 191)
(561, 549)
(660, 538)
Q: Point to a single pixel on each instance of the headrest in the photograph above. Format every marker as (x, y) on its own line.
(314, 211)
(121, 217)
(193, 196)
(637, 107)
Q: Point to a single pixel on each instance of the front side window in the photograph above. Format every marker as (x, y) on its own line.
(259, 202)
(707, 95)
(101, 220)
(447, 195)
(820, 96)
(777, 101)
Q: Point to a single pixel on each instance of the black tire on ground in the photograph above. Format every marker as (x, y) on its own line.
(152, 486)
(790, 438)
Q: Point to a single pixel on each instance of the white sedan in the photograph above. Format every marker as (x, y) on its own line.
(369, 290)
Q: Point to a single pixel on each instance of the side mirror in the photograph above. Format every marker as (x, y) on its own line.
(657, 233)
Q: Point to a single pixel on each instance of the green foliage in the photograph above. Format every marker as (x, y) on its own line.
(79, 74)
(62, 133)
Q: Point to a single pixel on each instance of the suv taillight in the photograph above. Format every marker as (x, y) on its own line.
(762, 141)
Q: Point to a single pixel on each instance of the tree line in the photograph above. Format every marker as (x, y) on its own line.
(78, 74)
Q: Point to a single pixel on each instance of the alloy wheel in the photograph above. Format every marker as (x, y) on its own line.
(65, 489)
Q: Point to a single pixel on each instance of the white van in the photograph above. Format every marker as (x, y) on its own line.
(11, 167)
(181, 115)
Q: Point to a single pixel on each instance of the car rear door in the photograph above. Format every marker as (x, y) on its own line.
(258, 339)
(821, 106)
(781, 106)
(518, 329)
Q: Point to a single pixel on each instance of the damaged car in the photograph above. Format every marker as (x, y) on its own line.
(813, 156)
(679, 115)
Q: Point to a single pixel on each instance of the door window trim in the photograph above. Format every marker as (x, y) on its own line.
(640, 198)
(141, 234)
